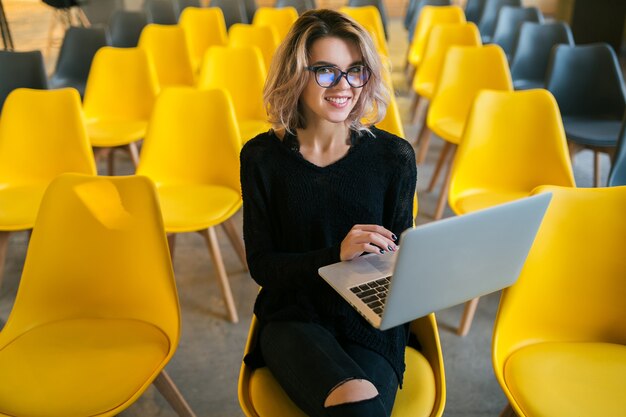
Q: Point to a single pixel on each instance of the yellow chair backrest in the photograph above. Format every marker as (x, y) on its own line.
(263, 37)
(466, 71)
(430, 16)
(392, 122)
(282, 19)
(506, 134)
(168, 50)
(122, 85)
(571, 288)
(42, 135)
(369, 18)
(192, 138)
(98, 254)
(203, 27)
(239, 70)
(441, 37)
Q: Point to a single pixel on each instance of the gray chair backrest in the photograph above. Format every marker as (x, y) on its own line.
(180, 5)
(125, 28)
(99, 12)
(508, 25)
(300, 5)
(474, 10)
(21, 70)
(234, 11)
(250, 6)
(418, 9)
(487, 22)
(160, 12)
(534, 47)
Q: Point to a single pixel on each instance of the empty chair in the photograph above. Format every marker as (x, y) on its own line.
(125, 28)
(160, 12)
(474, 10)
(180, 5)
(204, 27)
(96, 317)
(423, 393)
(234, 11)
(250, 6)
(99, 12)
(369, 18)
(191, 152)
(300, 5)
(121, 90)
(532, 53)
(74, 61)
(559, 340)
(617, 175)
(466, 71)
(42, 135)
(263, 37)
(21, 69)
(587, 83)
(168, 50)
(392, 122)
(241, 72)
(379, 4)
(508, 26)
(417, 9)
(489, 16)
(281, 19)
(409, 12)
(506, 133)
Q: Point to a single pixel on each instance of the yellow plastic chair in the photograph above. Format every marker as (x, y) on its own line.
(120, 93)
(168, 50)
(441, 37)
(281, 19)
(423, 392)
(241, 72)
(430, 16)
(42, 135)
(466, 71)
(96, 316)
(559, 342)
(369, 18)
(263, 37)
(513, 142)
(191, 152)
(392, 122)
(204, 27)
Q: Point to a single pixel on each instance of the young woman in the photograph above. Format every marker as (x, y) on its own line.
(318, 188)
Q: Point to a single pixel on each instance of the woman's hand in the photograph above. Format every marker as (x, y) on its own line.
(367, 238)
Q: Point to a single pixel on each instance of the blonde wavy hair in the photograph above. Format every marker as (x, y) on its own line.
(288, 76)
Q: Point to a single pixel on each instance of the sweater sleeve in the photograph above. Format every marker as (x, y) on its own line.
(269, 267)
(398, 214)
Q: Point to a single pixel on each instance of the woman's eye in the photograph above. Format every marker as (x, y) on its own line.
(324, 70)
(355, 70)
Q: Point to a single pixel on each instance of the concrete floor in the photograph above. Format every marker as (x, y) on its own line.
(206, 364)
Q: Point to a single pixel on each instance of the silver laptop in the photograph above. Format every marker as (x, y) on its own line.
(441, 264)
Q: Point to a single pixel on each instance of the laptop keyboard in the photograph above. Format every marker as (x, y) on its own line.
(373, 293)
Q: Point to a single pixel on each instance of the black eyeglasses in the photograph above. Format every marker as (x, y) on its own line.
(328, 76)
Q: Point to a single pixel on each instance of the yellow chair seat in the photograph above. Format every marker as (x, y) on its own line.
(448, 129)
(415, 399)
(79, 367)
(425, 89)
(108, 133)
(568, 379)
(20, 205)
(250, 128)
(193, 207)
(474, 200)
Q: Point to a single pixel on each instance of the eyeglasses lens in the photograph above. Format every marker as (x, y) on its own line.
(356, 76)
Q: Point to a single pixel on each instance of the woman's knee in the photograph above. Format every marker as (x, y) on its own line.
(351, 391)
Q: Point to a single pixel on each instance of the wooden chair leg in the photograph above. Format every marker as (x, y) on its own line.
(214, 249)
(236, 240)
(468, 316)
(171, 243)
(596, 169)
(111, 161)
(415, 105)
(508, 412)
(440, 163)
(170, 392)
(4, 243)
(134, 153)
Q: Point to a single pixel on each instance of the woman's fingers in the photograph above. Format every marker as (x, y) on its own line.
(368, 238)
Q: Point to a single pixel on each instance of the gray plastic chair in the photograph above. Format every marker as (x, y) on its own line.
(160, 12)
(587, 82)
(180, 5)
(74, 62)
(125, 28)
(234, 11)
(508, 25)
(250, 6)
(21, 70)
(489, 17)
(617, 175)
(532, 53)
(99, 12)
(474, 10)
(300, 5)
(418, 9)
(379, 4)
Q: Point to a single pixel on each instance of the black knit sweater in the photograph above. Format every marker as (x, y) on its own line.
(295, 216)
